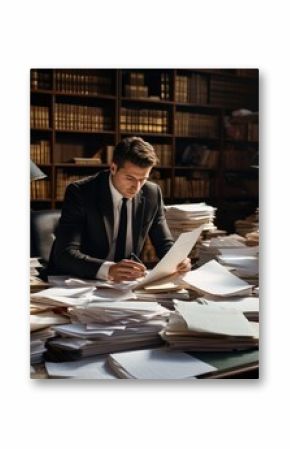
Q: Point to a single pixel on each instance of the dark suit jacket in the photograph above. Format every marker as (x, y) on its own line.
(85, 228)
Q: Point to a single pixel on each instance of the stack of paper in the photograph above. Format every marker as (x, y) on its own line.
(186, 217)
(212, 279)
(37, 344)
(244, 262)
(209, 327)
(157, 364)
(41, 320)
(108, 327)
(209, 249)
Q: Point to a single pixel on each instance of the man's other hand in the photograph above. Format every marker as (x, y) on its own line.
(184, 266)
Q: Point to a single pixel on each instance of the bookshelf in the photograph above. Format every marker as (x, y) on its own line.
(205, 154)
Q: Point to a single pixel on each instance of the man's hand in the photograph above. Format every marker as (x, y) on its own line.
(126, 270)
(184, 266)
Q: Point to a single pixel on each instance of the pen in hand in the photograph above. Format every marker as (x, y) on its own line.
(136, 258)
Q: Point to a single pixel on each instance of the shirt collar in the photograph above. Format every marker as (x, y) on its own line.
(116, 195)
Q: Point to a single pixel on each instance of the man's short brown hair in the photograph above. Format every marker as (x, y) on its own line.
(136, 151)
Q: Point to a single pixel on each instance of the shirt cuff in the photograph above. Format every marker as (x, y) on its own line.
(103, 271)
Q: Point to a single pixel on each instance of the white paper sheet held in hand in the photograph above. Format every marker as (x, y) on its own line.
(177, 253)
(214, 279)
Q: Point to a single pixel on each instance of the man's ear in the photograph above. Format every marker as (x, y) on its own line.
(113, 168)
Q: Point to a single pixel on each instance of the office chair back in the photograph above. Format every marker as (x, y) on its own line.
(42, 230)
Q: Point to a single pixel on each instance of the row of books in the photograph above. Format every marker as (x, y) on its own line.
(40, 80)
(40, 152)
(192, 188)
(84, 84)
(40, 189)
(136, 91)
(191, 89)
(196, 125)
(39, 117)
(165, 87)
(164, 153)
(63, 180)
(81, 118)
(143, 120)
(164, 183)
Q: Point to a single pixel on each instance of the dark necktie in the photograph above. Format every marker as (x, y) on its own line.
(120, 252)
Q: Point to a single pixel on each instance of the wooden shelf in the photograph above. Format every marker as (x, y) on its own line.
(65, 144)
(41, 129)
(147, 100)
(89, 95)
(83, 131)
(137, 133)
(74, 165)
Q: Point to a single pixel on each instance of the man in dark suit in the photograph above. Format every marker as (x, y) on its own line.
(108, 216)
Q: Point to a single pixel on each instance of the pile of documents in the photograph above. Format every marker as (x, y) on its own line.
(41, 321)
(105, 327)
(186, 217)
(209, 327)
(209, 249)
(244, 262)
(232, 252)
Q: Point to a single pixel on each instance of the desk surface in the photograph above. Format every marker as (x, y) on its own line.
(235, 364)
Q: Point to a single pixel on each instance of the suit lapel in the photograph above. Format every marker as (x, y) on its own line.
(138, 219)
(106, 208)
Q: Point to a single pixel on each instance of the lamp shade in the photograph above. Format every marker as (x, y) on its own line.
(35, 172)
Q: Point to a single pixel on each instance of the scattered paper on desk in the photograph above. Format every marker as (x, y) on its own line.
(215, 279)
(157, 364)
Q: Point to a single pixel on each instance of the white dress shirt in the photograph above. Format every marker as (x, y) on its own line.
(117, 204)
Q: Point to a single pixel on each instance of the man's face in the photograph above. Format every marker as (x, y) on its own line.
(129, 179)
